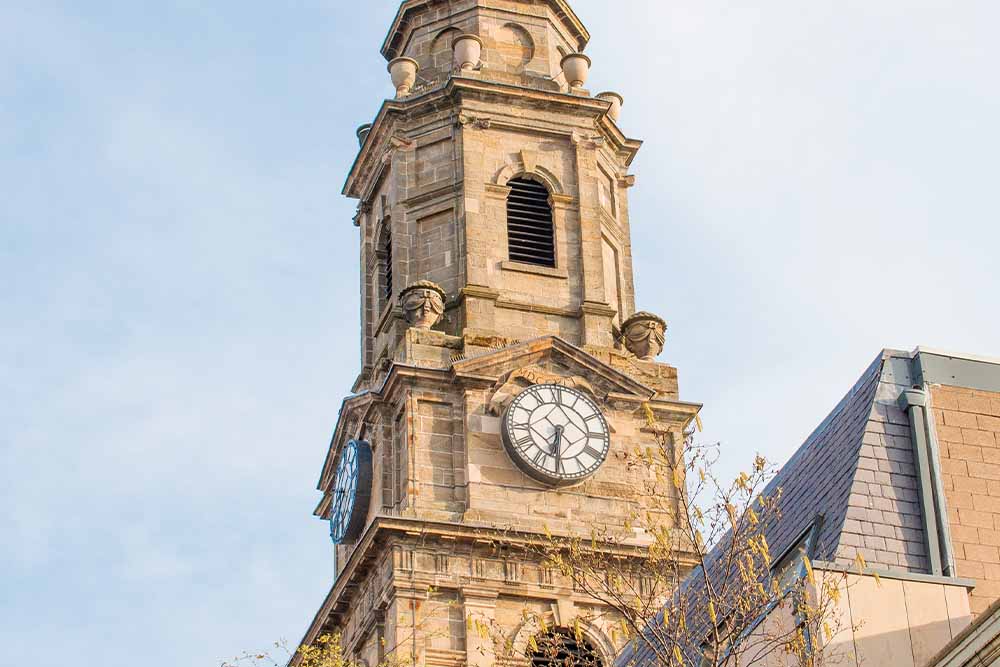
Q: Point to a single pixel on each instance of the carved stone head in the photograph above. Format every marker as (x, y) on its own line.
(644, 335)
(423, 304)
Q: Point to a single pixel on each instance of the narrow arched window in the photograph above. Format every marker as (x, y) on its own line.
(387, 250)
(561, 648)
(383, 250)
(530, 234)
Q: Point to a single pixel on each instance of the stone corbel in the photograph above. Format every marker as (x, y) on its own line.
(401, 142)
(626, 181)
(474, 122)
(582, 140)
(364, 208)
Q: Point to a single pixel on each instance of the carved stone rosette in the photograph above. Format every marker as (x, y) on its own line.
(423, 304)
(644, 335)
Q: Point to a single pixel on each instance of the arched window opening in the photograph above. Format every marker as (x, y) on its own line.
(530, 234)
(560, 648)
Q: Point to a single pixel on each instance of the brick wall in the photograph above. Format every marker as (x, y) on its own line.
(968, 429)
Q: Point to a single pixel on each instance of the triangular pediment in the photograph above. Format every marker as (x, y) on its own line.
(543, 359)
(350, 422)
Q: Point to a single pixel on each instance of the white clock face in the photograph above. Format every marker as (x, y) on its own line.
(555, 434)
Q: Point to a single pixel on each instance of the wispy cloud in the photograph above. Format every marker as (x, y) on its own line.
(180, 322)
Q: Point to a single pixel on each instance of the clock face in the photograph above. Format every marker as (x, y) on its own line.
(352, 487)
(555, 434)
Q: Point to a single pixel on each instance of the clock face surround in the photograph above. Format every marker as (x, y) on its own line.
(352, 488)
(555, 434)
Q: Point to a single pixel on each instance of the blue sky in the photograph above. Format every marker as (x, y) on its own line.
(179, 319)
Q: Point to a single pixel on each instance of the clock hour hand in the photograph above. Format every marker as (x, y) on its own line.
(557, 443)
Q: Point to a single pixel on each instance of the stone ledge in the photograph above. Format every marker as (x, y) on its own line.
(521, 267)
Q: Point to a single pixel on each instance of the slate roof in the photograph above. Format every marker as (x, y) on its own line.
(856, 470)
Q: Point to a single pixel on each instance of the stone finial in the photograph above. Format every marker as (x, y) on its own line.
(404, 74)
(468, 51)
(423, 304)
(616, 101)
(644, 335)
(363, 133)
(576, 67)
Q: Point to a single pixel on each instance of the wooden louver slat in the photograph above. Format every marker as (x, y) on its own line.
(529, 223)
(388, 267)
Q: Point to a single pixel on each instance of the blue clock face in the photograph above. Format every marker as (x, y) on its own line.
(352, 487)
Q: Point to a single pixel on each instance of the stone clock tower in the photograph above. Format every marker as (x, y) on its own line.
(505, 374)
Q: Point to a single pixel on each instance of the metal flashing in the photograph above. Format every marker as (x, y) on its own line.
(897, 575)
(956, 371)
(957, 355)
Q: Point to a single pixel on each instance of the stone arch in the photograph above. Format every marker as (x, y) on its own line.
(596, 637)
(443, 47)
(537, 173)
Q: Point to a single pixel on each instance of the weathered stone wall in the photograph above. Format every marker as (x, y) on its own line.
(438, 455)
(968, 430)
(443, 200)
(443, 589)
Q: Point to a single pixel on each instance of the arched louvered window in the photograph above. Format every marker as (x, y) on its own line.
(387, 251)
(560, 648)
(383, 250)
(530, 235)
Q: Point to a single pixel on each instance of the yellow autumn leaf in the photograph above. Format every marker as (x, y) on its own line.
(648, 412)
(810, 577)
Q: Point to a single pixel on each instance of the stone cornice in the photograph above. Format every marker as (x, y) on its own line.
(372, 158)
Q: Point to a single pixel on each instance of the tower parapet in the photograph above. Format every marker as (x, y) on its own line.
(522, 42)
